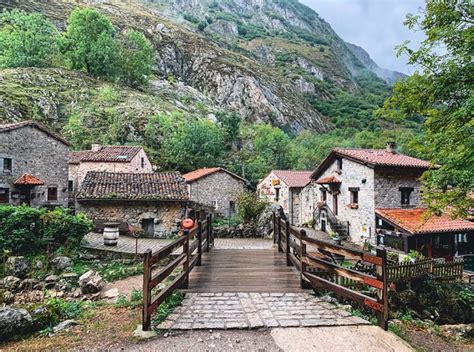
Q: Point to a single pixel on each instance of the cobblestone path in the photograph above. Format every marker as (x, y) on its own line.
(255, 310)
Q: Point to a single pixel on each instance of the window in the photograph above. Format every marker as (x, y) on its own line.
(4, 195)
(324, 195)
(52, 193)
(214, 204)
(7, 164)
(339, 164)
(70, 186)
(405, 195)
(354, 195)
(231, 208)
(143, 163)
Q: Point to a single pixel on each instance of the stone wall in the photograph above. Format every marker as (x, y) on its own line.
(166, 215)
(77, 173)
(33, 151)
(309, 198)
(388, 182)
(218, 189)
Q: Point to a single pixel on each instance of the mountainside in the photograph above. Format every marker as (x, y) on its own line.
(269, 60)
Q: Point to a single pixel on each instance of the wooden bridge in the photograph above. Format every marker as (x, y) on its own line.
(294, 264)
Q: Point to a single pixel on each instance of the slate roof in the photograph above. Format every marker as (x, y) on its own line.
(159, 186)
(200, 173)
(296, 179)
(16, 125)
(373, 157)
(116, 154)
(28, 179)
(414, 222)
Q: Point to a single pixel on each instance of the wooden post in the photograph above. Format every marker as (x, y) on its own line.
(186, 262)
(146, 317)
(208, 233)
(278, 227)
(197, 215)
(287, 236)
(383, 293)
(274, 227)
(199, 234)
(304, 284)
(211, 229)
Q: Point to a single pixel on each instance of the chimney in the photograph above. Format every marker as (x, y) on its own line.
(95, 147)
(391, 146)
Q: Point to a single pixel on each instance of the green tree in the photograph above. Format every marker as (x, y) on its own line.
(441, 92)
(137, 58)
(27, 40)
(89, 44)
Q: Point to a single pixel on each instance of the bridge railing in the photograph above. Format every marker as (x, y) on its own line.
(320, 264)
(190, 246)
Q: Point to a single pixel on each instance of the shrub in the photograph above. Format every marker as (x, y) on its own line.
(23, 229)
(137, 57)
(250, 207)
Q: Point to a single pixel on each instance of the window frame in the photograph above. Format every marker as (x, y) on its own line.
(10, 164)
(7, 193)
(354, 195)
(405, 191)
(50, 194)
(339, 163)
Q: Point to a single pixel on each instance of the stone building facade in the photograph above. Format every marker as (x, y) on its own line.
(128, 159)
(285, 187)
(217, 188)
(33, 165)
(350, 184)
(153, 202)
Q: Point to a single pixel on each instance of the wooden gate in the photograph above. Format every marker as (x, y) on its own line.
(320, 264)
(190, 244)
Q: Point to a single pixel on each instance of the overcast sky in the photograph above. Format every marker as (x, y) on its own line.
(375, 25)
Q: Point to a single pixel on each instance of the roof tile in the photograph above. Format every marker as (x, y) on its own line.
(381, 157)
(145, 186)
(200, 173)
(28, 179)
(292, 178)
(414, 221)
(118, 154)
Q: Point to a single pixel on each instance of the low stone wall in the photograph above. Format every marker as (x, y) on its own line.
(166, 216)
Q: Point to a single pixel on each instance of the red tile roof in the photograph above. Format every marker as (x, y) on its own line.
(16, 125)
(147, 186)
(28, 179)
(372, 157)
(200, 173)
(296, 179)
(328, 180)
(414, 222)
(117, 154)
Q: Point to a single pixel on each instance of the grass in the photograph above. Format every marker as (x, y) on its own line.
(167, 307)
(111, 270)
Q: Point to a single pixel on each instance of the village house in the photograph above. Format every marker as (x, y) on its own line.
(154, 202)
(216, 187)
(431, 235)
(131, 159)
(284, 187)
(33, 165)
(350, 184)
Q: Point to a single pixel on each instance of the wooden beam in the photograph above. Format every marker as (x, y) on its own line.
(166, 250)
(163, 273)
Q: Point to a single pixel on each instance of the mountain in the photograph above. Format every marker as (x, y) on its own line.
(363, 56)
(272, 61)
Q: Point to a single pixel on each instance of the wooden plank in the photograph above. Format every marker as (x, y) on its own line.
(166, 292)
(163, 273)
(193, 246)
(167, 250)
(335, 248)
(295, 261)
(332, 268)
(295, 232)
(318, 282)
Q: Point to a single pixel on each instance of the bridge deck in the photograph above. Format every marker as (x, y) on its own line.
(244, 270)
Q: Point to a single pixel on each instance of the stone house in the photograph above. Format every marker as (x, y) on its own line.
(130, 159)
(217, 188)
(436, 236)
(350, 184)
(154, 202)
(33, 165)
(284, 187)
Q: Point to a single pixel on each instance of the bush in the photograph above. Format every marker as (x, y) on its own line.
(137, 57)
(23, 229)
(250, 207)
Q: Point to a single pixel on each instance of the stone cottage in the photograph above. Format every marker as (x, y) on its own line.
(350, 184)
(284, 187)
(33, 165)
(216, 187)
(131, 159)
(154, 202)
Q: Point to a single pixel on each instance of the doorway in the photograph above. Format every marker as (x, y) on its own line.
(148, 226)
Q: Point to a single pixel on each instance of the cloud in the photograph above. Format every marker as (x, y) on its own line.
(375, 25)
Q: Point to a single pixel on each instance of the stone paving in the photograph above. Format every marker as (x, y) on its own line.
(255, 310)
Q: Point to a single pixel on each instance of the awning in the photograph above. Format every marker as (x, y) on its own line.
(28, 180)
(329, 180)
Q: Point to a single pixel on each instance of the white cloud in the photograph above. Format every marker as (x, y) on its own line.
(375, 25)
